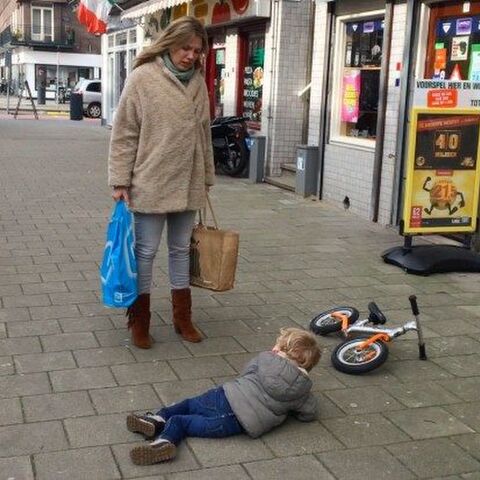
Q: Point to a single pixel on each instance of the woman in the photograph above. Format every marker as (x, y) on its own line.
(161, 163)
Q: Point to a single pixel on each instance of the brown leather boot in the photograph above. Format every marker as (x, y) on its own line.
(139, 321)
(182, 315)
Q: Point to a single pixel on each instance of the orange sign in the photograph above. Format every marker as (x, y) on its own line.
(442, 98)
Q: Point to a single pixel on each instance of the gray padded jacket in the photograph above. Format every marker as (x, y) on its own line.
(268, 389)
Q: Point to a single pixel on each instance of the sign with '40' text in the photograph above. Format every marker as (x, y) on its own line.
(443, 172)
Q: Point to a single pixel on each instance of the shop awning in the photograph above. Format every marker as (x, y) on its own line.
(149, 7)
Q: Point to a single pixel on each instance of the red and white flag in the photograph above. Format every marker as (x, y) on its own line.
(94, 14)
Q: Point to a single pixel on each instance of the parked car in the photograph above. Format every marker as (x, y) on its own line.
(92, 96)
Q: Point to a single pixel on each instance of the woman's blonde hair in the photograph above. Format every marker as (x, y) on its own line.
(300, 346)
(177, 34)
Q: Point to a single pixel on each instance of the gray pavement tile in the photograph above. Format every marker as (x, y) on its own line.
(30, 329)
(468, 389)
(231, 299)
(326, 408)
(364, 430)
(470, 442)
(98, 430)
(450, 346)
(68, 341)
(14, 315)
(205, 367)
(417, 371)
(306, 467)
(434, 458)
(125, 399)
(461, 365)
(148, 372)
(298, 438)
(171, 392)
(96, 357)
(161, 351)
(97, 309)
(228, 313)
(69, 298)
(85, 324)
(275, 310)
(18, 279)
(3, 331)
(25, 384)
(57, 406)
(239, 360)
(57, 276)
(17, 346)
(10, 411)
(460, 327)
(92, 463)
(6, 365)
(45, 287)
(184, 461)
(323, 379)
(31, 438)
(37, 269)
(257, 342)
(233, 472)
(214, 346)
(16, 468)
(227, 328)
(42, 362)
(361, 463)
(468, 413)
(52, 312)
(416, 395)
(82, 379)
(267, 325)
(26, 301)
(10, 290)
(112, 338)
(427, 422)
(369, 399)
(214, 452)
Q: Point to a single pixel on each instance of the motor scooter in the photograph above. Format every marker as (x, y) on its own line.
(231, 145)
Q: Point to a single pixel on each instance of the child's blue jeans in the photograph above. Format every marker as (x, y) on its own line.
(209, 416)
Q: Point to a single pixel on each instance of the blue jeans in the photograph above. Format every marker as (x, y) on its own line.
(209, 416)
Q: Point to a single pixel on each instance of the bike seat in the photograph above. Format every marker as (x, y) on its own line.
(376, 316)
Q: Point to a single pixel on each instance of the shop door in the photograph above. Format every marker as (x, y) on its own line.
(215, 78)
(453, 47)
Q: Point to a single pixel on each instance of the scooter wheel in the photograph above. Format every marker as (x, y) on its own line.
(324, 323)
(349, 358)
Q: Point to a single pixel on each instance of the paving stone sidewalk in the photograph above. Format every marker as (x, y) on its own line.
(68, 374)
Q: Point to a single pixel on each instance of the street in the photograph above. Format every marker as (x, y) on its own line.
(69, 376)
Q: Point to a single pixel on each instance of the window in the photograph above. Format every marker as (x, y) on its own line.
(94, 87)
(42, 24)
(358, 57)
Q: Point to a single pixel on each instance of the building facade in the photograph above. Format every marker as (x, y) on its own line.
(43, 43)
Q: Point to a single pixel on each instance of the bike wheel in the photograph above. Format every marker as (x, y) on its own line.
(237, 159)
(324, 323)
(347, 358)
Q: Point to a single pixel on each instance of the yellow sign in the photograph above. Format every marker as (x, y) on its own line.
(443, 171)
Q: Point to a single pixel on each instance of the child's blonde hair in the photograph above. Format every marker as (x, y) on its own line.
(299, 346)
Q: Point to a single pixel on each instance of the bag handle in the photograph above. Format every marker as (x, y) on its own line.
(204, 216)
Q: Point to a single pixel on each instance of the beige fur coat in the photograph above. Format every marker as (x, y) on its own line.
(161, 143)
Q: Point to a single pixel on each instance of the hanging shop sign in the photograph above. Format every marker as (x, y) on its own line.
(448, 93)
(443, 173)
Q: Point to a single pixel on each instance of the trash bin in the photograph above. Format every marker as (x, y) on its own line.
(41, 94)
(76, 106)
(257, 159)
(307, 170)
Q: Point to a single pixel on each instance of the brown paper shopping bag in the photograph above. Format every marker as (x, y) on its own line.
(213, 255)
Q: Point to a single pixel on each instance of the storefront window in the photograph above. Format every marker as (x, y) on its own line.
(253, 80)
(454, 43)
(68, 76)
(357, 80)
(219, 81)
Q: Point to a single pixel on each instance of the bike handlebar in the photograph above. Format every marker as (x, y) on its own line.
(413, 304)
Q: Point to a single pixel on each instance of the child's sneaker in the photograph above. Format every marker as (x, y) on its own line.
(149, 425)
(158, 451)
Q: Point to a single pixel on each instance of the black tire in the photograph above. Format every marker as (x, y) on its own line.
(237, 160)
(346, 359)
(324, 323)
(94, 110)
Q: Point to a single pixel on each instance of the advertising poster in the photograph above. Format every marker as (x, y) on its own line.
(351, 96)
(442, 187)
(474, 71)
(459, 49)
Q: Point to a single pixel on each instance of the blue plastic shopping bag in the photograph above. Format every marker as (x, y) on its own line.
(118, 272)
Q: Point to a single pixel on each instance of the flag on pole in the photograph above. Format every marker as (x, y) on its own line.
(94, 14)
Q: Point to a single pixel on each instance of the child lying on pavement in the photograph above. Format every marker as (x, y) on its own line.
(272, 385)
